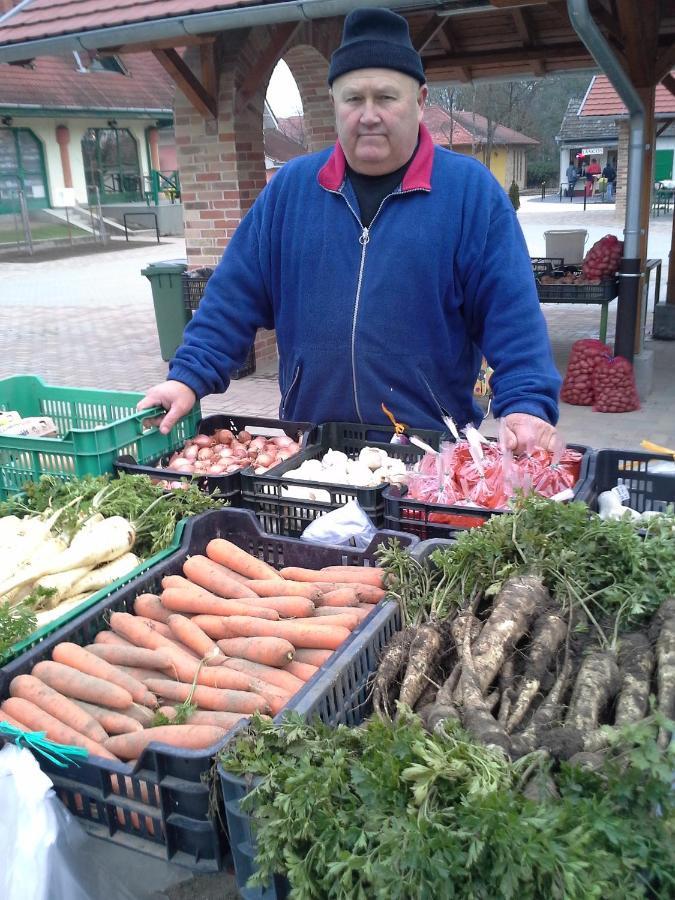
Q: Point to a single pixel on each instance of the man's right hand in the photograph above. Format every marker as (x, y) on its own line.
(176, 398)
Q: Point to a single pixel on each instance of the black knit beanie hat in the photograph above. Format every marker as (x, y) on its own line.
(375, 39)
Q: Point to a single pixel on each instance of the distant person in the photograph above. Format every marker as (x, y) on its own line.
(593, 167)
(572, 176)
(609, 172)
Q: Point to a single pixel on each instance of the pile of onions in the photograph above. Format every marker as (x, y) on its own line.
(225, 452)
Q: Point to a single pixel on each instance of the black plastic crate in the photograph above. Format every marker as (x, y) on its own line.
(437, 520)
(194, 285)
(161, 805)
(341, 696)
(544, 265)
(648, 490)
(578, 293)
(267, 495)
(226, 486)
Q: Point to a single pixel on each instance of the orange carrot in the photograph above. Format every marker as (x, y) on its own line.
(130, 656)
(346, 619)
(312, 656)
(269, 651)
(303, 671)
(143, 633)
(67, 711)
(150, 606)
(113, 721)
(82, 686)
(190, 598)
(206, 717)
(109, 637)
(36, 719)
(360, 574)
(198, 641)
(210, 575)
(210, 698)
(287, 682)
(139, 713)
(228, 554)
(324, 637)
(5, 717)
(235, 576)
(275, 697)
(341, 610)
(78, 658)
(338, 597)
(287, 607)
(188, 737)
(365, 593)
(140, 674)
(159, 627)
(273, 587)
(297, 573)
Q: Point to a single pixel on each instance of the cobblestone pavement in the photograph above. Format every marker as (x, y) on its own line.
(89, 321)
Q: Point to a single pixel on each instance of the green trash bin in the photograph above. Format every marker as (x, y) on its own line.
(167, 296)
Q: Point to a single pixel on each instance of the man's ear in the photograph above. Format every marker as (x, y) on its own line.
(422, 98)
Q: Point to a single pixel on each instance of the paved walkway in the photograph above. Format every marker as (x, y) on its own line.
(89, 321)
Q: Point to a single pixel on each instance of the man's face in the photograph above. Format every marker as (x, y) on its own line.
(377, 116)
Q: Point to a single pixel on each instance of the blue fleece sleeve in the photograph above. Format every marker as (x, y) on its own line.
(235, 304)
(505, 319)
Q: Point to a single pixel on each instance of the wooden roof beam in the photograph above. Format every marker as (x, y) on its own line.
(669, 82)
(523, 26)
(196, 40)
(525, 56)
(280, 38)
(429, 32)
(664, 63)
(203, 101)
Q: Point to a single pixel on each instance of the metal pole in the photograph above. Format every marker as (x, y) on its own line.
(99, 213)
(629, 270)
(70, 233)
(543, 190)
(27, 236)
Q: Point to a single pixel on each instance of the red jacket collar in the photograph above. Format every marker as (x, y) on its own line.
(418, 177)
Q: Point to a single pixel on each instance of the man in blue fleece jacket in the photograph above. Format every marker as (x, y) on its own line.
(387, 266)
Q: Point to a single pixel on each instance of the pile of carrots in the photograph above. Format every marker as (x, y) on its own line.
(229, 637)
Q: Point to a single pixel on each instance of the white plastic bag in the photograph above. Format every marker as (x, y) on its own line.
(347, 525)
(44, 852)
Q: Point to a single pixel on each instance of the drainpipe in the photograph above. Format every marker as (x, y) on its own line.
(629, 271)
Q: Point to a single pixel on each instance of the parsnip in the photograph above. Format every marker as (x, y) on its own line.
(49, 615)
(104, 575)
(33, 532)
(63, 585)
(105, 541)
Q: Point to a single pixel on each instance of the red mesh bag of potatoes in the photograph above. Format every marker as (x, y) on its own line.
(578, 384)
(614, 386)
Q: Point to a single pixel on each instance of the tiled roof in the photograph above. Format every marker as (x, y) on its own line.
(468, 128)
(279, 147)
(575, 129)
(444, 129)
(603, 100)
(37, 19)
(54, 82)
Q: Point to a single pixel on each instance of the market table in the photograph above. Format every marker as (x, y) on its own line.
(587, 294)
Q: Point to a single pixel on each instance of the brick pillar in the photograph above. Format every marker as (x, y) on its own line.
(310, 70)
(622, 169)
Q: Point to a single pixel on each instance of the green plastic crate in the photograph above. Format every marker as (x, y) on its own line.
(95, 427)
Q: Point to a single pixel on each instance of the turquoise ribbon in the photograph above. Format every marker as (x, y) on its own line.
(37, 741)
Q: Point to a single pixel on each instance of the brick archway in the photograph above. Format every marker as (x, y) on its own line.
(309, 67)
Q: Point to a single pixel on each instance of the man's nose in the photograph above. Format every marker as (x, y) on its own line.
(370, 113)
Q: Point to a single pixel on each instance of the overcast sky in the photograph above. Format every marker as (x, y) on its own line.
(282, 93)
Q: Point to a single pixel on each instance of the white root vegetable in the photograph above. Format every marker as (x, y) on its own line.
(104, 575)
(62, 584)
(105, 541)
(49, 615)
(34, 531)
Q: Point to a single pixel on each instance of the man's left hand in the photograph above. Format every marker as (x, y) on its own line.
(522, 433)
